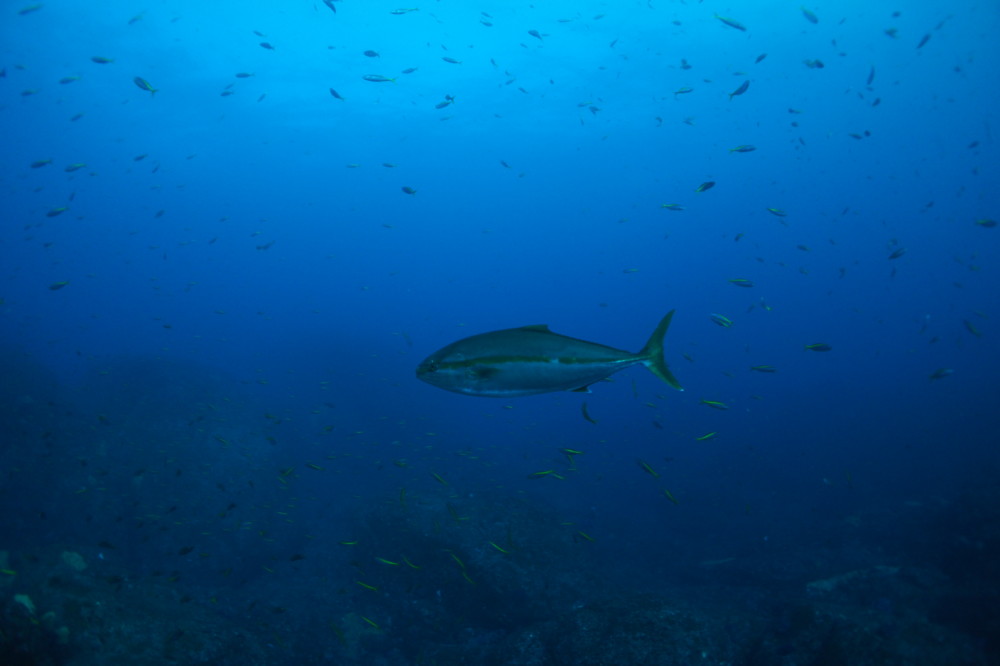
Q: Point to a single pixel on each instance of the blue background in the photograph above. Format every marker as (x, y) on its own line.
(250, 289)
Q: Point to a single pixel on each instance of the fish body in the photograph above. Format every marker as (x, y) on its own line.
(532, 360)
(143, 84)
(739, 91)
(378, 78)
(732, 23)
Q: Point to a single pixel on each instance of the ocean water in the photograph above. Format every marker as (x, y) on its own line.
(214, 297)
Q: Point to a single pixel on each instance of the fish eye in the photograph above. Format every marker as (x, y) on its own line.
(430, 366)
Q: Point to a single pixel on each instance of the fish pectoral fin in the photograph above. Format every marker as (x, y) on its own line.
(544, 328)
(582, 389)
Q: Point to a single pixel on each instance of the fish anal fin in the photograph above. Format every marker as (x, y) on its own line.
(582, 389)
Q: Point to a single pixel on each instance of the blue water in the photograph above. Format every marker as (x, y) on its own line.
(208, 358)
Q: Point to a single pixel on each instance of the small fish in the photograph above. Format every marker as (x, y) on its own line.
(370, 622)
(448, 100)
(941, 373)
(439, 478)
(378, 78)
(367, 586)
(586, 415)
(672, 206)
(348, 543)
(372, 54)
(505, 552)
(724, 322)
(777, 211)
(739, 91)
(926, 38)
(76, 166)
(244, 75)
(451, 60)
(537, 35)
(745, 148)
(56, 286)
(732, 23)
(763, 368)
(810, 16)
(871, 76)
(818, 347)
(29, 9)
(741, 282)
(586, 536)
(57, 211)
(38, 164)
(329, 3)
(335, 94)
(897, 253)
(714, 404)
(542, 473)
(759, 58)
(647, 468)
(385, 561)
(670, 497)
(267, 45)
(408, 190)
(988, 224)
(143, 84)
(410, 70)
(100, 60)
(707, 436)
(706, 186)
(814, 63)
(69, 79)
(683, 91)
(969, 326)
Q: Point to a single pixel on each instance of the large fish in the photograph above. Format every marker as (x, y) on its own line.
(533, 359)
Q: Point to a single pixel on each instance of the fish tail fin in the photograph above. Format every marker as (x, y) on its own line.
(652, 353)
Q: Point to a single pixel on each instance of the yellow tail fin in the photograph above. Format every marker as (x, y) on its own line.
(652, 353)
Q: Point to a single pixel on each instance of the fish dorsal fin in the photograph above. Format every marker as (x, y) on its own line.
(541, 328)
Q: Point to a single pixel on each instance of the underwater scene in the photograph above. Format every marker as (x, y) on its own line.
(604, 332)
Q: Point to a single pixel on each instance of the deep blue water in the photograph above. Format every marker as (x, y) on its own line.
(210, 329)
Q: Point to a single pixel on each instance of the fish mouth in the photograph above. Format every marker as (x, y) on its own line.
(427, 367)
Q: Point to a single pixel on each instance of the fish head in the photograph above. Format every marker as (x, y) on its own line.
(452, 371)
